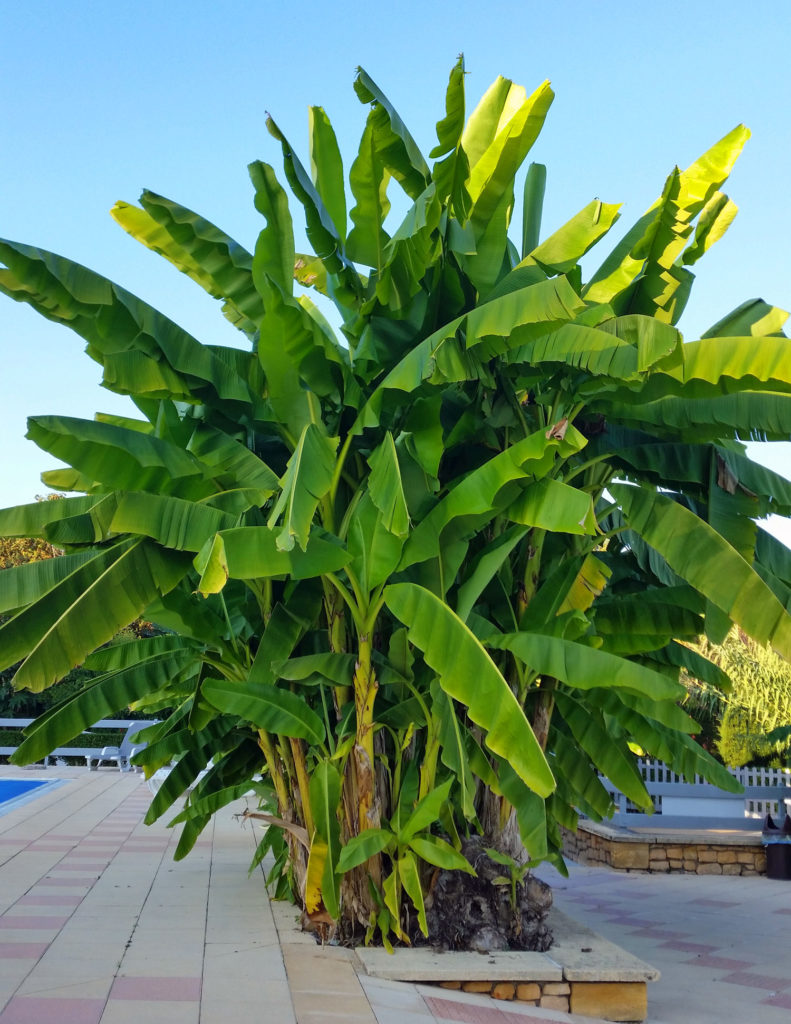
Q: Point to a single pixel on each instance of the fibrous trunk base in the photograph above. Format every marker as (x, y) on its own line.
(478, 913)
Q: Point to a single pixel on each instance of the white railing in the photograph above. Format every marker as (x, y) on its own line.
(657, 771)
(766, 792)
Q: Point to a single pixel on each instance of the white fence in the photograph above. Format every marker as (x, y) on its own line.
(681, 803)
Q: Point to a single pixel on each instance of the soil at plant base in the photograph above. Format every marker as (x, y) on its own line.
(476, 913)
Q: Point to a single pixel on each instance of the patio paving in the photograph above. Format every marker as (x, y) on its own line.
(98, 925)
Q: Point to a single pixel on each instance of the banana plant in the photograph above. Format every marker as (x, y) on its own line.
(434, 543)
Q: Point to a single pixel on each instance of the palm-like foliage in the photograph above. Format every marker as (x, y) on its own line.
(434, 565)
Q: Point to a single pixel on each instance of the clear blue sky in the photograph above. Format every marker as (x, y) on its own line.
(103, 99)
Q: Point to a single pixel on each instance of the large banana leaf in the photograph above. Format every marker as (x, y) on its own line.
(120, 458)
(583, 667)
(666, 744)
(715, 365)
(451, 174)
(414, 247)
(395, 147)
(198, 249)
(32, 520)
(452, 736)
(23, 584)
(101, 699)
(130, 652)
(175, 523)
(232, 463)
(324, 236)
(531, 814)
(267, 707)
(327, 168)
(374, 550)
(89, 527)
(492, 171)
(251, 552)
(368, 180)
(467, 673)
(703, 558)
(325, 796)
(500, 323)
(563, 250)
(306, 481)
(111, 319)
(635, 615)
(611, 756)
(694, 663)
(754, 317)
(202, 747)
(274, 251)
(638, 275)
(386, 487)
(552, 505)
(484, 568)
(715, 219)
(476, 494)
(756, 416)
(578, 781)
(87, 609)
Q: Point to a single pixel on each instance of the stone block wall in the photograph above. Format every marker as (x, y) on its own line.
(616, 1001)
(693, 857)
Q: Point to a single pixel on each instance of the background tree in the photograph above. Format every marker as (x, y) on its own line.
(742, 723)
(428, 572)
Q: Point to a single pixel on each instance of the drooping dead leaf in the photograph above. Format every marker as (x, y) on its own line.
(558, 430)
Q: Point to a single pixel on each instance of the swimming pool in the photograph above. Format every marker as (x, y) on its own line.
(15, 792)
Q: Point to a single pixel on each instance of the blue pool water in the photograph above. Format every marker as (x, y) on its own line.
(14, 792)
(12, 788)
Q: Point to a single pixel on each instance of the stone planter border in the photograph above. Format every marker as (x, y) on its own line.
(582, 973)
(702, 852)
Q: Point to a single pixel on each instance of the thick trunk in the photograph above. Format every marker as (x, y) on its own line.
(542, 712)
(500, 827)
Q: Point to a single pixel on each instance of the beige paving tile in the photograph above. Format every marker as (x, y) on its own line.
(133, 1011)
(253, 968)
(274, 1007)
(312, 1007)
(60, 988)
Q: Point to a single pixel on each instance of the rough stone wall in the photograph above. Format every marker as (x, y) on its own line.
(616, 1000)
(692, 858)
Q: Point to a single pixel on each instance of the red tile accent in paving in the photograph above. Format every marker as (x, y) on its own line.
(164, 989)
(139, 848)
(51, 880)
(52, 899)
(725, 962)
(688, 947)
(658, 933)
(447, 1009)
(714, 903)
(89, 853)
(9, 921)
(22, 950)
(756, 980)
(30, 1010)
(784, 1002)
(782, 910)
(79, 867)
